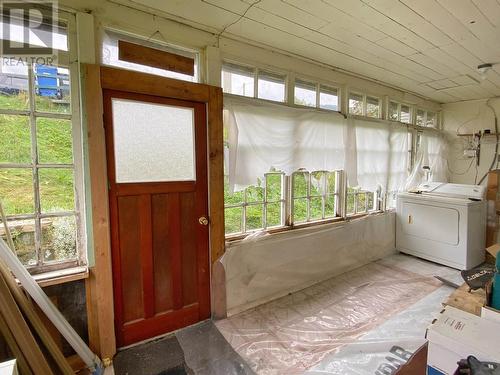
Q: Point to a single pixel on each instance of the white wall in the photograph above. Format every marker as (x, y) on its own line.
(270, 267)
(469, 117)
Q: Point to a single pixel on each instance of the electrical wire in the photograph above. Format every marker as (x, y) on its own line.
(465, 171)
(495, 156)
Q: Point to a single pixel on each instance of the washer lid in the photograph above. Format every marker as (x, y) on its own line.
(453, 190)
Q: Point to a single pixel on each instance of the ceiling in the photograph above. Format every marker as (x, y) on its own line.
(429, 47)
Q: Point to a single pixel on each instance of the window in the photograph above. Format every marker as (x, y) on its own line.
(431, 120)
(400, 112)
(311, 94)
(110, 56)
(328, 98)
(40, 159)
(238, 80)
(393, 111)
(372, 107)
(256, 207)
(363, 105)
(356, 104)
(420, 118)
(253, 82)
(405, 115)
(360, 201)
(271, 86)
(305, 93)
(314, 196)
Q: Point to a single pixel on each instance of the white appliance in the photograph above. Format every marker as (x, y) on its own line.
(444, 223)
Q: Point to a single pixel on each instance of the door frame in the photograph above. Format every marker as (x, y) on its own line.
(95, 78)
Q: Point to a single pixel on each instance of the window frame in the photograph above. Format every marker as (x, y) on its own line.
(69, 60)
(412, 112)
(264, 203)
(426, 114)
(319, 88)
(364, 105)
(324, 196)
(256, 71)
(356, 192)
(155, 44)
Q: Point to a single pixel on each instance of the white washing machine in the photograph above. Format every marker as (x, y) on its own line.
(444, 223)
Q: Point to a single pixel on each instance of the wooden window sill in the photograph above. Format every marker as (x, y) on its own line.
(62, 276)
(338, 220)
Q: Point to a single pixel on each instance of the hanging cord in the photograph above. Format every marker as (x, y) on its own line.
(465, 171)
(495, 156)
(237, 20)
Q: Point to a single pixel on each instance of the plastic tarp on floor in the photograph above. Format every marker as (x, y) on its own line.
(266, 267)
(366, 321)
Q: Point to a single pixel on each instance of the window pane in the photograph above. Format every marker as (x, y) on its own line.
(271, 86)
(316, 208)
(15, 139)
(16, 191)
(273, 187)
(110, 56)
(255, 194)
(273, 213)
(54, 141)
(393, 111)
(350, 203)
(23, 236)
(431, 119)
(300, 182)
(420, 117)
(305, 93)
(405, 114)
(372, 107)
(14, 87)
(238, 80)
(56, 189)
(361, 202)
(59, 238)
(330, 182)
(254, 217)
(330, 206)
(52, 92)
(317, 183)
(328, 98)
(356, 104)
(233, 220)
(153, 142)
(300, 210)
(370, 202)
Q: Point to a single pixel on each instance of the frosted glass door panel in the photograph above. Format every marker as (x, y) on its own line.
(153, 142)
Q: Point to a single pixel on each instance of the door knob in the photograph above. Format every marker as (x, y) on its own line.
(203, 220)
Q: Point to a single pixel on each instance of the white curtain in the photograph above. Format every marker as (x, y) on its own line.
(264, 137)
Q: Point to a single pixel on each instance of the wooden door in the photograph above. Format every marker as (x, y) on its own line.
(157, 169)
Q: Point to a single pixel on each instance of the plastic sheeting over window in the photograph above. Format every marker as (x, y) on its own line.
(432, 151)
(264, 267)
(375, 154)
(380, 156)
(263, 137)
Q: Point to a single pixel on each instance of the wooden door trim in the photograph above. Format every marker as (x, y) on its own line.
(94, 79)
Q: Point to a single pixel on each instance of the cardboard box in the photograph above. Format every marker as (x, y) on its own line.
(488, 312)
(493, 250)
(455, 335)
